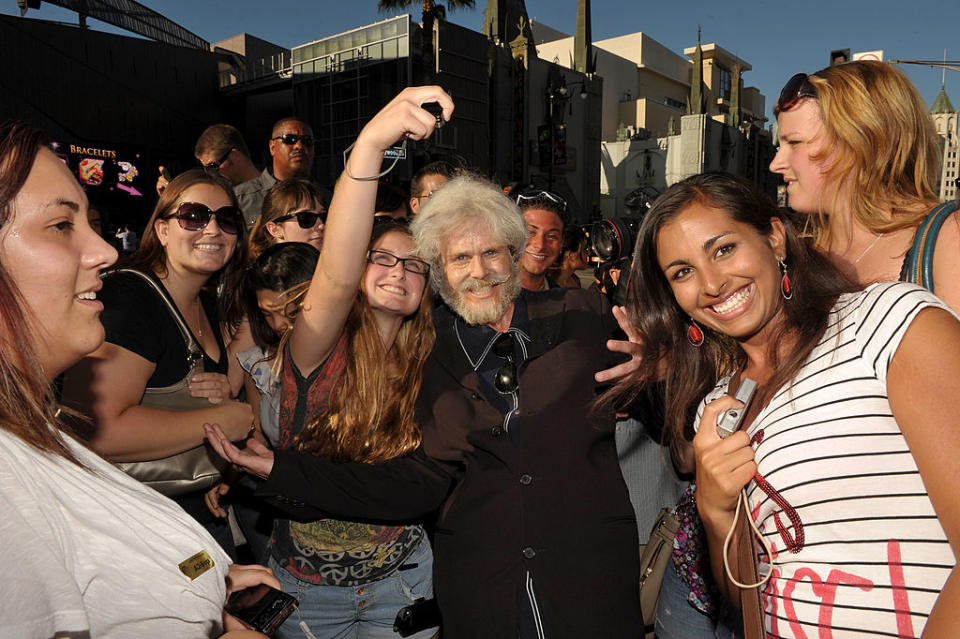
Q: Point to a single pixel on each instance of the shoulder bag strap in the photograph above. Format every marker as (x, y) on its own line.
(194, 354)
(920, 269)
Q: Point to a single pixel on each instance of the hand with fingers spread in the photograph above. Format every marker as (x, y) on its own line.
(632, 346)
(724, 466)
(214, 386)
(256, 459)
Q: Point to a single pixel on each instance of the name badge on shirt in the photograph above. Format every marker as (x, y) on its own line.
(196, 565)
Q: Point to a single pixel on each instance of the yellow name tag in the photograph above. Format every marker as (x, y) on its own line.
(196, 565)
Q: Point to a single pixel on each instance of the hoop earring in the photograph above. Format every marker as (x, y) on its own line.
(695, 334)
(786, 288)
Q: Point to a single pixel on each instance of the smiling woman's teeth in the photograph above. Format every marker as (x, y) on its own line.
(207, 247)
(87, 296)
(733, 301)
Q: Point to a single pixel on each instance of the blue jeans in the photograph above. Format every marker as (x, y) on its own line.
(366, 611)
(677, 619)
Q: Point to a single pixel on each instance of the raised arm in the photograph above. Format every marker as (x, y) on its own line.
(350, 221)
(922, 387)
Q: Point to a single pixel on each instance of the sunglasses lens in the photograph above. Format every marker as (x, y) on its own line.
(308, 219)
(193, 216)
(792, 92)
(228, 219)
(292, 138)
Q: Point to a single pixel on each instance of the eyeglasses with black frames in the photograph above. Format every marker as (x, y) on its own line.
(389, 260)
(305, 219)
(505, 379)
(193, 216)
(797, 88)
(292, 138)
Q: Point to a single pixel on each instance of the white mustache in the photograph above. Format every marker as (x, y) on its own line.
(474, 285)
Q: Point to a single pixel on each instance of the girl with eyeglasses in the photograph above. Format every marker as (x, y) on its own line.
(846, 452)
(87, 551)
(171, 310)
(350, 370)
(859, 155)
(294, 210)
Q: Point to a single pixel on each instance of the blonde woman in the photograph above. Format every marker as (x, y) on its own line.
(859, 153)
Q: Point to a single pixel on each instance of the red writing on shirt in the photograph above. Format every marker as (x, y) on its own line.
(825, 589)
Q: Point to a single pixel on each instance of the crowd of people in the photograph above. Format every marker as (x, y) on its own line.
(383, 399)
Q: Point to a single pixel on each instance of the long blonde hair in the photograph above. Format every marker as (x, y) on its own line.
(371, 414)
(877, 124)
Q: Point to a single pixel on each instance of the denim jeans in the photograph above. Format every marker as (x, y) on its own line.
(677, 619)
(366, 611)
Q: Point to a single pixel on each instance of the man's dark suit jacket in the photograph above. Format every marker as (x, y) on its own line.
(547, 497)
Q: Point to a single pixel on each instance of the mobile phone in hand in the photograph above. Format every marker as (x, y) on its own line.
(263, 608)
(729, 421)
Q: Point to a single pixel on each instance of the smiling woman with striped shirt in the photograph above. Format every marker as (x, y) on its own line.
(847, 452)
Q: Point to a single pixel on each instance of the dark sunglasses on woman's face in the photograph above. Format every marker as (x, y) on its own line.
(796, 88)
(291, 139)
(305, 219)
(193, 216)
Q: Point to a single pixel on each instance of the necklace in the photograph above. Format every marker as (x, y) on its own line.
(199, 325)
(867, 250)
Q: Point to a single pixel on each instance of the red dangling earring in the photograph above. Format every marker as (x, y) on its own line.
(695, 334)
(786, 289)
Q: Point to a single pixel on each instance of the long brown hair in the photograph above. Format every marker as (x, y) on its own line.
(689, 372)
(371, 417)
(151, 257)
(28, 404)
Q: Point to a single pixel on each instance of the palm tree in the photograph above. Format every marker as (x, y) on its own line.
(430, 12)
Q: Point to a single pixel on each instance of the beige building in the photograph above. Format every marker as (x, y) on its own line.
(719, 70)
(945, 122)
(646, 86)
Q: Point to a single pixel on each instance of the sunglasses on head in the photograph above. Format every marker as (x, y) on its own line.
(389, 260)
(796, 88)
(305, 219)
(215, 165)
(193, 216)
(531, 195)
(292, 138)
(505, 379)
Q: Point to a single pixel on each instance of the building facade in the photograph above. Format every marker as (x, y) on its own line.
(945, 121)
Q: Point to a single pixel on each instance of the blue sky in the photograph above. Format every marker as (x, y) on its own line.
(779, 38)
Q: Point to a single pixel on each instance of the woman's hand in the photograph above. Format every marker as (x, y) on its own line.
(242, 577)
(404, 116)
(632, 346)
(724, 466)
(214, 386)
(257, 459)
(235, 419)
(212, 499)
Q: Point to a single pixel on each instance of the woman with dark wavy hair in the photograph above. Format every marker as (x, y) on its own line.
(845, 452)
(87, 551)
(171, 310)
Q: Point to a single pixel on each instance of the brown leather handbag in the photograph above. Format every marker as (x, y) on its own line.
(192, 470)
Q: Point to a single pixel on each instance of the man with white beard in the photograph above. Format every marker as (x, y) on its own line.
(535, 534)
